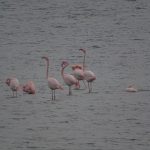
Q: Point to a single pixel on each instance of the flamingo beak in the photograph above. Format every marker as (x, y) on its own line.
(64, 63)
(44, 57)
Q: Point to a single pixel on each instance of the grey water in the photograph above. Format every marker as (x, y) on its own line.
(116, 35)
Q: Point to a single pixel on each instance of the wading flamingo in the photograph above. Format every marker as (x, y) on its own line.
(53, 84)
(131, 88)
(89, 76)
(14, 85)
(29, 87)
(78, 74)
(68, 78)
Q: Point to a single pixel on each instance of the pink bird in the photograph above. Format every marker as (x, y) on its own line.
(78, 74)
(68, 78)
(131, 88)
(89, 76)
(53, 84)
(14, 85)
(29, 87)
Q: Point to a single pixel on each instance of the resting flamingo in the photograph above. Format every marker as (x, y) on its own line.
(68, 78)
(131, 88)
(14, 85)
(29, 87)
(89, 76)
(53, 84)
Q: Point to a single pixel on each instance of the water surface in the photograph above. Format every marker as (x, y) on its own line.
(116, 35)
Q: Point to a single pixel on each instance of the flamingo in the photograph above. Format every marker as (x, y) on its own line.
(14, 85)
(78, 73)
(68, 78)
(29, 87)
(89, 76)
(53, 84)
(131, 88)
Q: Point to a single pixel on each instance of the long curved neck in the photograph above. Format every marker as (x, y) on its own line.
(47, 68)
(84, 62)
(62, 72)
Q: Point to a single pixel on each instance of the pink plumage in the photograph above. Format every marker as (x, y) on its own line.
(14, 85)
(68, 78)
(79, 75)
(131, 88)
(89, 76)
(53, 84)
(29, 87)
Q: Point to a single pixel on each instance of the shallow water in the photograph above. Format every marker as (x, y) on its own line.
(116, 35)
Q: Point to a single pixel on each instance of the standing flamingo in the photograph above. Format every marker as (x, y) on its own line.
(14, 85)
(68, 78)
(89, 76)
(78, 74)
(29, 87)
(53, 84)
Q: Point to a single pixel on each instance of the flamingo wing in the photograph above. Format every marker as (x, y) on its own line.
(79, 74)
(70, 79)
(54, 84)
(89, 76)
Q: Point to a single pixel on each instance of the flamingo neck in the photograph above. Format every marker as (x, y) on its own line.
(62, 72)
(84, 62)
(47, 69)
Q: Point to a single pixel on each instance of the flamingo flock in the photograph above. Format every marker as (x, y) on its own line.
(80, 73)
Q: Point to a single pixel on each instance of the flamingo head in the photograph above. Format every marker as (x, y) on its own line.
(64, 64)
(8, 81)
(83, 50)
(45, 57)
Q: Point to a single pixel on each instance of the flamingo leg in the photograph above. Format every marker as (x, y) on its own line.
(54, 94)
(84, 83)
(70, 92)
(89, 87)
